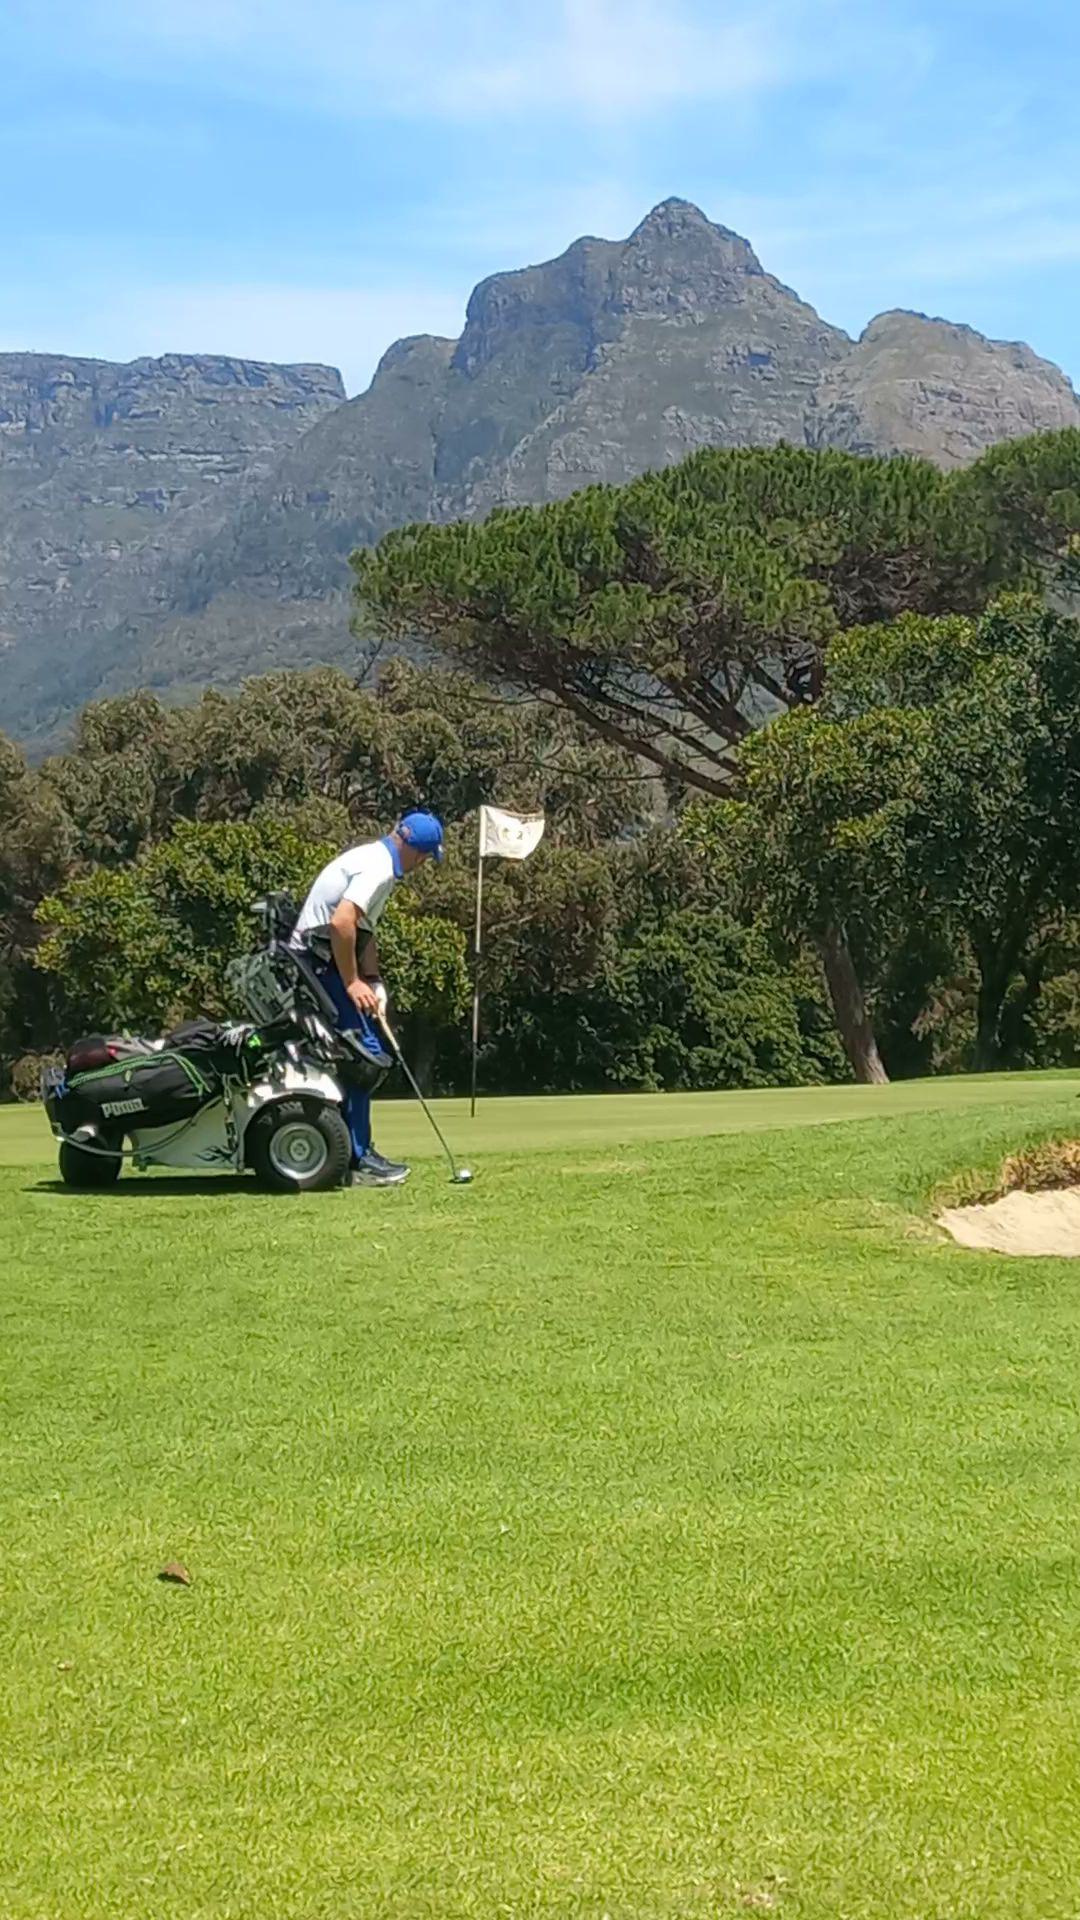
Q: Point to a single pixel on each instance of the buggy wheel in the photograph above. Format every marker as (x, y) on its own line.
(81, 1168)
(299, 1146)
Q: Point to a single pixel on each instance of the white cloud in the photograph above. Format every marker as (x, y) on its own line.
(479, 58)
(608, 57)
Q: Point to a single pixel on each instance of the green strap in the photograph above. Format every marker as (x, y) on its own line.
(121, 1069)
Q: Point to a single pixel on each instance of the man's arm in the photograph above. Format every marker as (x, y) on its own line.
(371, 970)
(367, 948)
(344, 927)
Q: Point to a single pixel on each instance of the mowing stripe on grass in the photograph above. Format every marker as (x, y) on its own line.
(675, 1532)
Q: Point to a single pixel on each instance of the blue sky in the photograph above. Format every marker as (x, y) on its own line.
(310, 179)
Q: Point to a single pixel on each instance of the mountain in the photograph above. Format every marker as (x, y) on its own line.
(183, 520)
(106, 471)
(913, 385)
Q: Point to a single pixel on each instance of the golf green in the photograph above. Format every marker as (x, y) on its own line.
(670, 1524)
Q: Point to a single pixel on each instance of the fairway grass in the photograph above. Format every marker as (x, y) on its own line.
(614, 1119)
(669, 1526)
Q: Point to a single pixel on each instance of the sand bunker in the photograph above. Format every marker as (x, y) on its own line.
(1027, 1223)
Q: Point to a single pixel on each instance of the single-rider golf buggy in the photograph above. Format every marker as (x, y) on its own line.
(265, 1097)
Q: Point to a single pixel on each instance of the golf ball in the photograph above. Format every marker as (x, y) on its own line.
(463, 1176)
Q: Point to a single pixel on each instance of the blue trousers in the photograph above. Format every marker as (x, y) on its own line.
(350, 1019)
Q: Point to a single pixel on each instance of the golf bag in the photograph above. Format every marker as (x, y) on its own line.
(116, 1083)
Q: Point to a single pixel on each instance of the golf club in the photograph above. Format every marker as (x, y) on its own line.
(459, 1176)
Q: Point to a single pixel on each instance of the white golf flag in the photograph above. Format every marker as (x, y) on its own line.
(512, 835)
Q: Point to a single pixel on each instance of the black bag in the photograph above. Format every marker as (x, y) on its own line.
(140, 1090)
(233, 1052)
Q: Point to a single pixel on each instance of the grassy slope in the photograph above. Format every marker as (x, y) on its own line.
(654, 1529)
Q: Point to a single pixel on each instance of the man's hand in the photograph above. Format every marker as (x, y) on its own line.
(363, 996)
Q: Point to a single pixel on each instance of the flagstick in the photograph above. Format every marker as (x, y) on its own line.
(476, 956)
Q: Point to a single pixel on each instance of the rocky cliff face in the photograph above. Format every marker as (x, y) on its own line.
(106, 470)
(701, 348)
(913, 385)
(184, 520)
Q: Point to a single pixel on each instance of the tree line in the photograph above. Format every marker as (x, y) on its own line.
(695, 619)
(805, 729)
(128, 865)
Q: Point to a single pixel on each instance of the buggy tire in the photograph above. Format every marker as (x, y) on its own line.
(299, 1146)
(78, 1168)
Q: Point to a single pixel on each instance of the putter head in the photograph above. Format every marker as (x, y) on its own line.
(462, 1177)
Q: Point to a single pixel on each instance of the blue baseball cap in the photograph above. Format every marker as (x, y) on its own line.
(422, 831)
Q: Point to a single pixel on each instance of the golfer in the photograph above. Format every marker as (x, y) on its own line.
(337, 928)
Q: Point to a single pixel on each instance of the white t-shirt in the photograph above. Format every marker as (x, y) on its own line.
(365, 875)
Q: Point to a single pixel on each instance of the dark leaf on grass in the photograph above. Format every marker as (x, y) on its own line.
(177, 1574)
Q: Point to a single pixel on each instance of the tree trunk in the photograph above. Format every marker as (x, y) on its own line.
(852, 1019)
(1017, 1017)
(996, 970)
(424, 1043)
